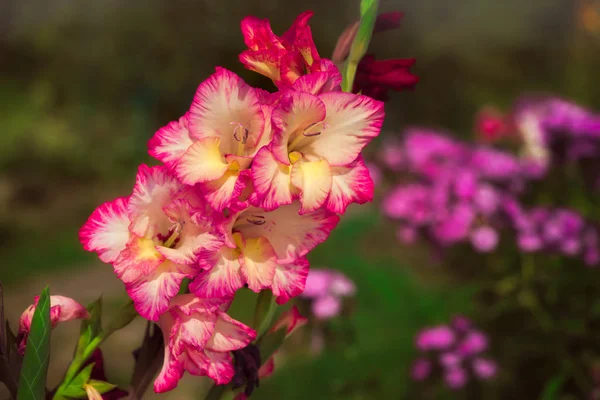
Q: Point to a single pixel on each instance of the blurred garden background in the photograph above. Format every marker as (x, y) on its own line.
(84, 85)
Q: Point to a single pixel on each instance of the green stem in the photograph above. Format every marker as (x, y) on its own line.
(368, 15)
(267, 321)
(120, 321)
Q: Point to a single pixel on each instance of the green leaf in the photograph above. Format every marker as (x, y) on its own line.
(83, 376)
(32, 383)
(126, 314)
(552, 388)
(101, 386)
(91, 327)
(74, 392)
(95, 319)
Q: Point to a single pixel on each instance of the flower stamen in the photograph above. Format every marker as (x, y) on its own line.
(240, 134)
(256, 219)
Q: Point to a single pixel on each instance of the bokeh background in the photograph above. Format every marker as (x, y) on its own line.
(84, 85)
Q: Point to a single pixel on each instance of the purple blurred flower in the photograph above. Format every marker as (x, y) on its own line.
(494, 164)
(421, 369)
(461, 323)
(450, 359)
(484, 239)
(375, 172)
(326, 288)
(436, 338)
(407, 234)
(454, 350)
(326, 307)
(456, 378)
(484, 368)
(474, 343)
(392, 155)
(554, 131)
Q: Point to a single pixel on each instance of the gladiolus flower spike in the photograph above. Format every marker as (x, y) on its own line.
(250, 183)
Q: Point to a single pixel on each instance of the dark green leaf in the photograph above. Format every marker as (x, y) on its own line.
(10, 359)
(95, 319)
(126, 314)
(148, 360)
(270, 343)
(32, 382)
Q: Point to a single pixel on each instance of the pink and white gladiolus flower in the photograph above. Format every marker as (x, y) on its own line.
(315, 152)
(199, 337)
(62, 309)
(251, 182)
(264, 250)
(153, 238)
(215, 142)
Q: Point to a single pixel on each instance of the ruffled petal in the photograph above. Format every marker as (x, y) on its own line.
(140, 258)
(258, 262)
(222, 192)
(230, 335)
(155, 188)
(193, 237)
(296, 112)
(222, 278)
(319, 82)
(196, 330)
(289, 280)
(220, 368)
(300, 36)
(107, 230)
(271, 180)
(290, 234)
(151, 294)
(226, 107)
(265, 62)
(350, 184)
(290, 320)
(314, 180)
(170, 142)
(172, 370)
(202, 162)
(352, 121)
